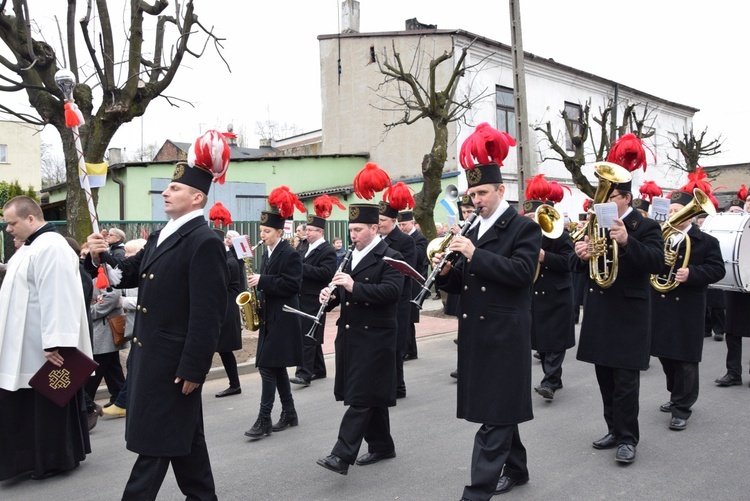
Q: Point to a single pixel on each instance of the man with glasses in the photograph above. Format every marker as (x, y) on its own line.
(615, 333)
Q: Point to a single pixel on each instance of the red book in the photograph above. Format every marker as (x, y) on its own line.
(59, 384)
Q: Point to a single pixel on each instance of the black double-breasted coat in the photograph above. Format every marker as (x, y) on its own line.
(423, 267)
(616, 328)
(318, 269)
(737, 319)
(678, 316)
(182, 300)
(552, 328)
(367, 328)
(280, 333)
(494, 352)
(230, 338)
(404, 245)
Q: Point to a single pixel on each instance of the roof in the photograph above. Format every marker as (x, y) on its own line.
(237, 152)
(527, 55)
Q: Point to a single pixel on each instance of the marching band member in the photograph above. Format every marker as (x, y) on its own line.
(280, 333)
(494, 276)
(408, 226)
(648, 191)
(319, 263)
(677, 315)
(552, 328)
(742, 202)
(615, 333)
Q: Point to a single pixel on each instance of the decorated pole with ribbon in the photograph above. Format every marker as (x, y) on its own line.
(66, 80)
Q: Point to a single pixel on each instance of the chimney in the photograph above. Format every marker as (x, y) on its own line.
(264, 142)
(350, 16)
(114, 156)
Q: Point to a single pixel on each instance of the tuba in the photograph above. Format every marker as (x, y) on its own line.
(673, 238)
(248, 300)
(603, 261)
(552, 224)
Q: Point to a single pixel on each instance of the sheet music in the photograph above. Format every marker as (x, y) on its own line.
(660, 208)
(606, 214)
(242, 247)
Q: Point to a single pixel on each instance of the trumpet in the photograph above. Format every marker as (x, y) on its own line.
(436, 246)
(316, 319)
(552, 225)
(673, 238)
(248, 300)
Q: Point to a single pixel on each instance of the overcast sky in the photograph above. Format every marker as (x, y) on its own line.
(693, 53)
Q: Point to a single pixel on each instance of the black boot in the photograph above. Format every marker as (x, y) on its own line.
(261, 428)
(287, 419)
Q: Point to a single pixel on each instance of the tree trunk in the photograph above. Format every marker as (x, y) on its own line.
(432, 172)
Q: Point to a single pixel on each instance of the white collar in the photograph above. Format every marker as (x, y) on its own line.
(175, 224)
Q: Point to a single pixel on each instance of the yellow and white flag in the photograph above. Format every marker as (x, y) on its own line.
(97, 174)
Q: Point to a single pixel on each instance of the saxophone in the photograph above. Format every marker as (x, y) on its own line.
(248, 300)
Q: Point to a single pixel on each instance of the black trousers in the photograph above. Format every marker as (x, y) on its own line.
(682, 384)
(552, 366)
(497, 450)
(734, 355)
(620, 389)
(313, 361)
(272, 379)
(229, 361)
(369, 423)
(715, 320)
(110, 370)
(192, 472)
(411, 344)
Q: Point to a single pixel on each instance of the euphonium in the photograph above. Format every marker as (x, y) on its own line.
(665, 282)
(248, 300)
(602, 269)
(552, 225)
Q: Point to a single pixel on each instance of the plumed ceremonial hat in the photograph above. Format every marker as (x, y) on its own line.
(482, 155)
(283, 203)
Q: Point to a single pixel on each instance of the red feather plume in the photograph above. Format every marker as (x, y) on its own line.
(399, 196)
(324, 205)
(742, 194)
(370, 180)
(212, 153)
(220, 215)
(587, 204)
(484, 146)
(283, 199)
(537, 188)
(649, 190)
(628, 152)
(556, 192)
(697, 179)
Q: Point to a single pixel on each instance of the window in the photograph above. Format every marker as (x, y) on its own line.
(3, 153)
(575, 115)
(506, 110)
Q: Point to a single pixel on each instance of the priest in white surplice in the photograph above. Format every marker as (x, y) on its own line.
(41, 309)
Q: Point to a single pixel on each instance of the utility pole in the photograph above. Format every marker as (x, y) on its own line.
(519, 95)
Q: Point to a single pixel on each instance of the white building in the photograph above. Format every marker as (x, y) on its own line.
(20, 154)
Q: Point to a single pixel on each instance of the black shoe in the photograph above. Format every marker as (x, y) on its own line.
(505, 484)
(537, 355)
(229, 391)
(46, 474)
(666, 407)
(334, 463)
(455, 341)
(625, 453)
(317, 376)
(718, 337)
(299, 380)
(707, 334)
(401, 394)
(287, 419)
(677, 424)
(729, 380)
(545, 391)
(374, 457)
(454, 374)
(260, 429)
(410, 357)
(608, 441)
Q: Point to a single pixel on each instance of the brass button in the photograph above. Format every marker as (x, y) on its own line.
(466, 287)
(135, 339)
(591, 290)
(677, 299)
(347, 303)
(366, 327)
(542, 293)
(346, 326)
(601, 292)
(143, 276)
(464, 316)
(144, 310)
(536, 293)
(541, 275)
(367, 304)
(140, 345)
(481, 317)
(663, 295)
(367, 279)
(151, 276)
(138, 307)
(483, 289)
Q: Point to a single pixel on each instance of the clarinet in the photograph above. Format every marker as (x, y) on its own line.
(448, 257)
(330, 289)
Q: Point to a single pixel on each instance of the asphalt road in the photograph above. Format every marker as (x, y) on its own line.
(708, 460)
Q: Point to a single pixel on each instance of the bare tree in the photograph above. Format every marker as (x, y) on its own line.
(146, 75)
(636, 118)
(271, 129)
(144, 153)
(53, 166)
(414, 97)
(693, 149)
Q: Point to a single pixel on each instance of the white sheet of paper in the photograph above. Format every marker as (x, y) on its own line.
(288, 228)
(659, 208)
(242, 247)
(606, 214)
(451, 220)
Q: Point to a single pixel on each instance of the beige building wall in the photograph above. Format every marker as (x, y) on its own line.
(353, 113)
(20, 154)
